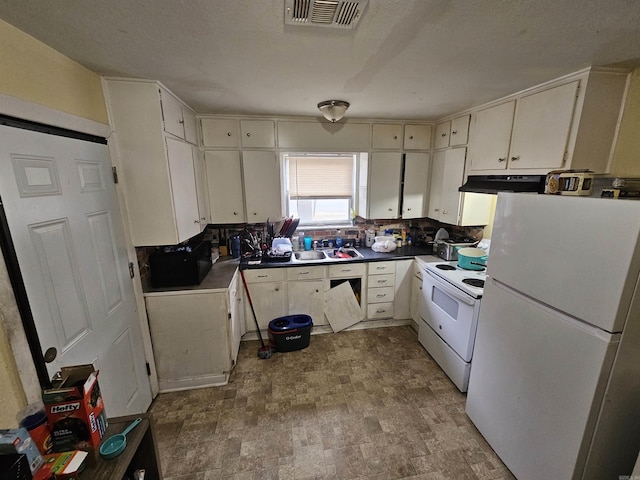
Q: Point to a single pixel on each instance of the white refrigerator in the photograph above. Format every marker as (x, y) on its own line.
(555, 380)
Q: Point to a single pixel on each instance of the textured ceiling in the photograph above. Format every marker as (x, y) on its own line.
(410, 59)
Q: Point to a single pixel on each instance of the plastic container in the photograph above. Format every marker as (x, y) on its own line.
(291, 332)
(33, 417)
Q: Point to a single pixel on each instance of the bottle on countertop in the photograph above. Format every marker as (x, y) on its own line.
(338, 239)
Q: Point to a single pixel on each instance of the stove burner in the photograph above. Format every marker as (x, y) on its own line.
(444, 266)
(474, 282)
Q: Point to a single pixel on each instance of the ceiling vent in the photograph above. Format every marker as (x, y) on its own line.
(324, 13)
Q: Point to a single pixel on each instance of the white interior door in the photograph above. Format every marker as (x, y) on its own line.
(64, 219)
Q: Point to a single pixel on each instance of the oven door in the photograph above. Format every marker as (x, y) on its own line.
(450, 312)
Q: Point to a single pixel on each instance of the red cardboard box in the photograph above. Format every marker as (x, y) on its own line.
(75, 409)
(62, 466)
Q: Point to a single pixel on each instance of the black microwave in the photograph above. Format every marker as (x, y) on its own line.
(181, 265)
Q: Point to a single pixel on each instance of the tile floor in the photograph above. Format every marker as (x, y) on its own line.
(362, 404)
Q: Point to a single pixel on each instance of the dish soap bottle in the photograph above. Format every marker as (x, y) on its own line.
(338, 239)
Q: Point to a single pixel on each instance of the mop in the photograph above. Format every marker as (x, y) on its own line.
(265, 351)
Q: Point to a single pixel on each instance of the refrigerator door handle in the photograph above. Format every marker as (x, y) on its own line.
(450, 290)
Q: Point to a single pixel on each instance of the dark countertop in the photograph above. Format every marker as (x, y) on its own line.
(369, 255)
(222, 272)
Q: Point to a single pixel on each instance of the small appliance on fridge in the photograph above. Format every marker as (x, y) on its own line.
(555, 381)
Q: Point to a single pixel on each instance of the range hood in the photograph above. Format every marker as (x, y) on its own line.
(504, 183)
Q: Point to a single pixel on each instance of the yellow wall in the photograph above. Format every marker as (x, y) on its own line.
(626, 159)
(35, 72)
(12, 397)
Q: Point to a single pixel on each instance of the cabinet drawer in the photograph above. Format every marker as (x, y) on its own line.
(351, 270)
(380, 310)
(387, 280)
(305, 273)
(381, 268)
(264, 275)
(218, 132)
(380, 295)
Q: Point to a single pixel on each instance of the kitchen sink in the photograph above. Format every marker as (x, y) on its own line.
(327, 255)
(310, 256)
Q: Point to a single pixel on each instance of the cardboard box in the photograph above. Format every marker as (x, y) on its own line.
(75, 409)
(62, 466)
(18, 440)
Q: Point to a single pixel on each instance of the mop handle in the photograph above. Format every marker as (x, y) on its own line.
(255, 319)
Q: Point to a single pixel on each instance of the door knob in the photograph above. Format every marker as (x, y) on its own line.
(50, 355)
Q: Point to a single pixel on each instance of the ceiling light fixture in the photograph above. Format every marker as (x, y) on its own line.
(333, 110)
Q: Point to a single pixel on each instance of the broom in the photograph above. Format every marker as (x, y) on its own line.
(265, 351)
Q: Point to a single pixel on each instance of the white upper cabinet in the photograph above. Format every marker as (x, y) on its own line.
(155, 167)
(446, 203)
(539, 139)
(261, 173)
(386, 136)
(452, 133)
(417, 137)
(178, 120)
(258, 133)
(385, 172)
(572, 124)
(201, 186)
(219, 132)
(490, 137)
(224, 186)
(416, 185)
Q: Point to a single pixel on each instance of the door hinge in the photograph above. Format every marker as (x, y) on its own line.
(114, 170)
(578, 91)
(132, 272)
(229, 315)
(148, 368)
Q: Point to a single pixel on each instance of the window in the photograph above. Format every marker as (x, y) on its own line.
(320, 187)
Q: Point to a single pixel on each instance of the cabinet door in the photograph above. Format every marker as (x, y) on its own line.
(402, 286)
(451, 181)
(416, 292)
(224, 185)
(190, 126)
(258, 133)
(190, 340)
(417, 137)
(459, 131)
(219, 132)
(442, 134)
(172, 114)
(236, 319)
(183, 187)
(201, 186)
(386, 136)
(384, 185)
(435, 186)
(269, 302)
(416, 185)
(490, 137)
(261, 173)
(539, 139)
(307, 298)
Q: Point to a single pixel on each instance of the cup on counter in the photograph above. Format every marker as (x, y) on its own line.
(307, 243)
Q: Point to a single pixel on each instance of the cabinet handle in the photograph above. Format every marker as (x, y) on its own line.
(228, 134)
(380, 311)
(277, 289)
(420, 287)
(317, 291)
(444, 212)
(501, 159)
(411, 137)
(248, 134)
(440, 327)
(380, 268)
(196, 221)
(391, 209)
(180, 121)
(395, 137)
(408, 209)
(380, 295)
(255, 213)
(454, 132)
(235, 213)
(436, 209)
(303, 273)
(444, 134)
(382, 281)
(263, 276)
(513, 159)
(203, 219)
(345, 270)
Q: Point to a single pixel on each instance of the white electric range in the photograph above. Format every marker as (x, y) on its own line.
(449, 308)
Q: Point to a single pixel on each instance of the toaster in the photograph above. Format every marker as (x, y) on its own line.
(447, 249)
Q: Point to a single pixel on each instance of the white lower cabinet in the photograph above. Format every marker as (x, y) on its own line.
(402, 289)
(305, 292)
(416, 291)
(268, 295)
(195, 337)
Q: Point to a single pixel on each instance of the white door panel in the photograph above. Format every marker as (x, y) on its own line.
(64, 219)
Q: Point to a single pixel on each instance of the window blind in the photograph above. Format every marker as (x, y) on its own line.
(320, 177)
